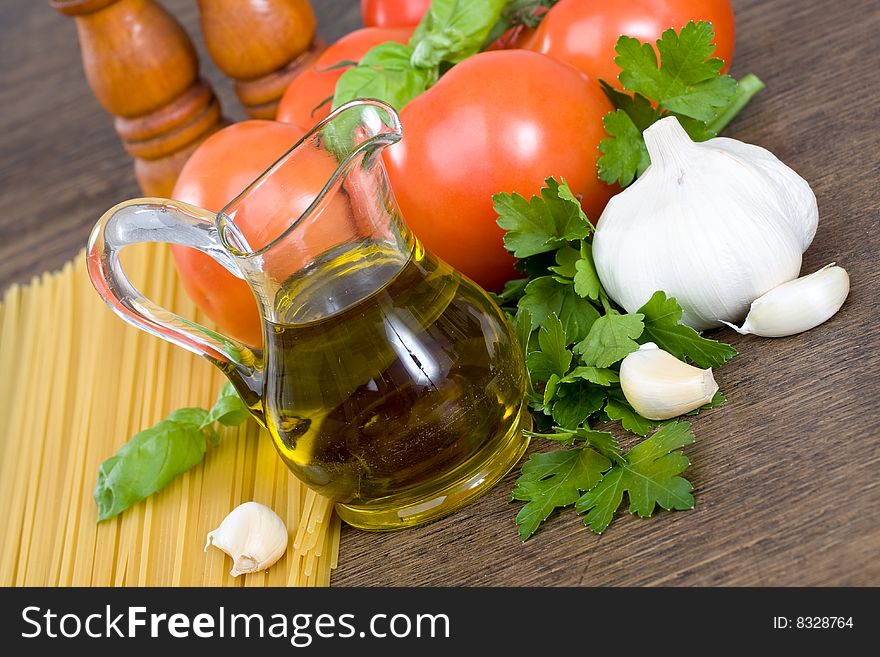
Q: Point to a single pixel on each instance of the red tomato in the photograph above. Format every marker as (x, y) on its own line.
(584, 34)
(215, 174)
(302, 102)
(393, 13)
(500, 121)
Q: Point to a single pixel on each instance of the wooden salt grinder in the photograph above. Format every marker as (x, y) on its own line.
(262, 45)
(143, 69)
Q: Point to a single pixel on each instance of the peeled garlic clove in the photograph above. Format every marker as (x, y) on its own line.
(659, 386)
(253, 535)
(798, 305)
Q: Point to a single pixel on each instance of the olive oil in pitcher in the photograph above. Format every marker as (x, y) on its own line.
(416, 387)
(388, 382)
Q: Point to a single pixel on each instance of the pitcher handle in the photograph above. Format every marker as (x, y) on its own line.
(160, 220)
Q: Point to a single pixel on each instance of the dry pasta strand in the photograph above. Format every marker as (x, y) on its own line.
(91, 382)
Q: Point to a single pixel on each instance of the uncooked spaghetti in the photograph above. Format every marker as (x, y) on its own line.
(78, 382)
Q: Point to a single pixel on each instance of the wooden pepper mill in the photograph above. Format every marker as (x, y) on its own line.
(262, 45)
(143, 69)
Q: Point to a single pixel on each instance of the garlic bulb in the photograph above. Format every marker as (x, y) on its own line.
(659, 386)
(253, 535)
(798, 305)
(714, 224)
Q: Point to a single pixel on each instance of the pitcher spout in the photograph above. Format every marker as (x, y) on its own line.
(323, 211)
(361, 127)
(247, 377)
(354, 133)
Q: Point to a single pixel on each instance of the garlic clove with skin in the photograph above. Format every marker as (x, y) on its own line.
(659, 386)
(798, 305)
(253, 535)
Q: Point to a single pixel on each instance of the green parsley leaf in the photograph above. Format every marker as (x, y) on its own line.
(697, 130)
(578, 403)
(559, 436)
(746, 88)
(624, 154)
(601, 376)
(663, 327)
(565, 195)
(617, 408)
(543, 223)
(552, 480)
(546, 296)
(586, 278)
(566, 263)
(610, 339)
(639, 109)
(550, 390)
(559, 309)
(602, 441)
(522, 326)
(512, 291)
(688, 82)
(536, 265)
(554, 356)
(649, 476)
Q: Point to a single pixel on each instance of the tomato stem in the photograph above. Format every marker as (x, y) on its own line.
(516, 15)
(746, 88)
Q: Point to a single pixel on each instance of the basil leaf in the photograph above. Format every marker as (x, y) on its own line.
(453, 30)
(194, 416)
(155, 456)
(145, 464)
(385, 73)
(229, 409)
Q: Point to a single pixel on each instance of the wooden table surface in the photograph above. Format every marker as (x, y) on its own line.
(786, 475)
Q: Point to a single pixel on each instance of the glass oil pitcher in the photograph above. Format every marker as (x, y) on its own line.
(388, 381)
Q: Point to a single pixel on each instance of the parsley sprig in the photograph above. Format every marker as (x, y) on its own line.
(685, 82)
(574, 338)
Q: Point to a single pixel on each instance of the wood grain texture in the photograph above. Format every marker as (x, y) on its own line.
(262, 45)
(143, 68)
(61, 163)
(786, 475)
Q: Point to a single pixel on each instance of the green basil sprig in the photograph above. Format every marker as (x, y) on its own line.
(154, 457)
(395, 73)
